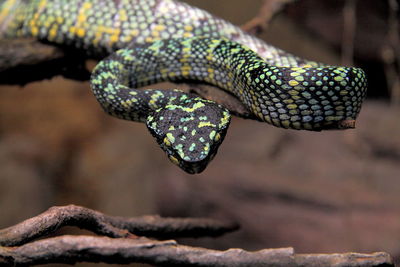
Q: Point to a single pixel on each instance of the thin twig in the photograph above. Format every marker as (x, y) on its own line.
(267, 11)
(391, 53)
(349, 30)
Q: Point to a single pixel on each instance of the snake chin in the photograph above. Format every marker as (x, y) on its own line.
(190, 132)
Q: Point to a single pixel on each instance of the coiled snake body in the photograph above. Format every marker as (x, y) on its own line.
(165, 40)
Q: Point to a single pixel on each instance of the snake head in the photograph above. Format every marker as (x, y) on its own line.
(189, 131)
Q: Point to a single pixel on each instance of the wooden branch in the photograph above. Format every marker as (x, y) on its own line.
(73, 249)
(349, 31)
(112, 226)
(27, 60)
(126, 247)
(267, 11)
(391, 53)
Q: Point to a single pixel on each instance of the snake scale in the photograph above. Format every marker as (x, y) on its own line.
(167, 40)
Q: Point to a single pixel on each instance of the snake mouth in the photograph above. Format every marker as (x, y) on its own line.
(196, 163)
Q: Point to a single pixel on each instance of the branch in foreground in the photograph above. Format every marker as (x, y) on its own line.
(72, 249)
(112, 226)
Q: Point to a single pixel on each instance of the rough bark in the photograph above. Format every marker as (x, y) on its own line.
(120, 243)
(73, 249)
(152, 226)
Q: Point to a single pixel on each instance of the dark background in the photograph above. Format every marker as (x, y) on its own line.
(322, 192)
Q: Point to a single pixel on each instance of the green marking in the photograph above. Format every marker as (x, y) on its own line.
(192, 147)
(212, 135)
(171, 138)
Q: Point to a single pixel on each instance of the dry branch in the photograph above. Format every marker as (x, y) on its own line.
(125, 247)
(112, 226)
(267, 11)
(26, 60)
(72, 249)
(349, 31)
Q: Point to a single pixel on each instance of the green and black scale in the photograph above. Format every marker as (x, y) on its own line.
(165, 40)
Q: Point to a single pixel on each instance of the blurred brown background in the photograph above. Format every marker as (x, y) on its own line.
(318, 192)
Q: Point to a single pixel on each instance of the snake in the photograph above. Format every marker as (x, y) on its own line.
(144, 42)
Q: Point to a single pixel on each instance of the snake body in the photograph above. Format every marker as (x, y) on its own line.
(166, 40)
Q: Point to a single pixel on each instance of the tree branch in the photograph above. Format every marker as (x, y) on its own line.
(73, 249)
(112, 226)
(26, 60)
(121, 245)
(349, 31)
(267, 11)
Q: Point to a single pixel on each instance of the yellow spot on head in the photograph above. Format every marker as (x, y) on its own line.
(293, 83)
(167, 142)
(204, 124)
(174, 160)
